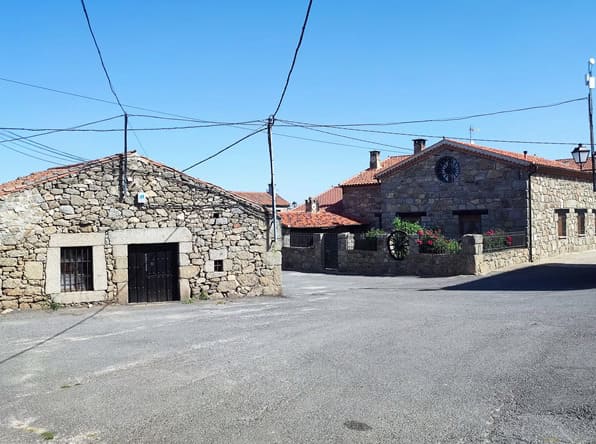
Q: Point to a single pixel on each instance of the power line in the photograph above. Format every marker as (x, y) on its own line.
(283, 93)
(443, 119)
(337, 143)
(351, 138)
(134, 132)
(73, 128)
(112, 130)
(28, 155)
(224, 149)
(429, 136)
(43, 149)
(188, 119)
(101, 57)
(96, 99)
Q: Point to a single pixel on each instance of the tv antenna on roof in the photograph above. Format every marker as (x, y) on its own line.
(471, 130)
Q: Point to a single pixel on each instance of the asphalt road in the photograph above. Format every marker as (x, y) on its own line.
(509, 358)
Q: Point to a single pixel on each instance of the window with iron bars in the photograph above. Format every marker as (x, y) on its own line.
(76, 269)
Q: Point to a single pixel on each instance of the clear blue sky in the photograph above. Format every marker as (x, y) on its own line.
(378, 61)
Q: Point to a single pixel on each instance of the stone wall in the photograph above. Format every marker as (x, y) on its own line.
(362, 202)
(307, 259)
(471, 260)
(550, 194)
(221, 227)
(483, 184)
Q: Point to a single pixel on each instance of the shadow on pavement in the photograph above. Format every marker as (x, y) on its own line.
(54, 336)
(547, 277)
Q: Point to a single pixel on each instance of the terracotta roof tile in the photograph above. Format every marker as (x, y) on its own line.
(41, 177)
(38, 178)
(321, 219)
(508, 156)
(262, 198)
(367, 177)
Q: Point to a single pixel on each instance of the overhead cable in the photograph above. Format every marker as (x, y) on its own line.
(103, 65)
(96, 99)
(283, 93)
(442, 119)
(428, 136)
(224, 149)
(72, 128)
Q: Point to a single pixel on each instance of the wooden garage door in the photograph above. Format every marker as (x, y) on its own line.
(153, 273)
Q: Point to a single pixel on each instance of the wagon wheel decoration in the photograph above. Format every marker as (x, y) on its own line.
(398, 244)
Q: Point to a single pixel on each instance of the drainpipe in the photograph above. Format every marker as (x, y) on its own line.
(533, 170)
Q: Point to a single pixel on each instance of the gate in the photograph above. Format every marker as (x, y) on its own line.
(153, 273)
(330, 247)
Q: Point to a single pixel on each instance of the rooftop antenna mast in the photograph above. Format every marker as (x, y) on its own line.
(472, 130)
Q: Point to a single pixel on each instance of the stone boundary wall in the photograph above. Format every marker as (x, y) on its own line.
(471, 260)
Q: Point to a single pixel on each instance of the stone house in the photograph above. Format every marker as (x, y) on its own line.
(129, 229)
(464, 188)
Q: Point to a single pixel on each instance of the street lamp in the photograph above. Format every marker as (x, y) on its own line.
(580, 155)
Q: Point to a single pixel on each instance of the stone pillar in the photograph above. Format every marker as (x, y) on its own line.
(472, 249)
(286, 241)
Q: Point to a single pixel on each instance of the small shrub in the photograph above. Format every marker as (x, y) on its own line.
(404, 225)
(203, 296)
(374, 233)
(48, 436)
(53, 305)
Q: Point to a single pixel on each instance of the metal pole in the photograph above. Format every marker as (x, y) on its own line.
(270, 121)
(590, 82)
(125, 160)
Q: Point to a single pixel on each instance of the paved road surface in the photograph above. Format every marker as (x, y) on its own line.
(500, 359)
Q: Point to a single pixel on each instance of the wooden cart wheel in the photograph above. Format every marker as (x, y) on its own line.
(398, 243)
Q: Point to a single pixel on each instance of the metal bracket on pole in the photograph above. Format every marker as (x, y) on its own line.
(270, 122)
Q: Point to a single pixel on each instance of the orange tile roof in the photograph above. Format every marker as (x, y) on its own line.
(526, 160)
(321, 219)
(368, 176)
(262, 198)
(330, 199)
(38, 178)
(41, 177)
(571, 164)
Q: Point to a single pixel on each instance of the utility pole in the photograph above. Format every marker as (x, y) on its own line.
(270, 122)
(591, 83)
(125, 159)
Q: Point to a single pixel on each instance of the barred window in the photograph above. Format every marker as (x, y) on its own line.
(76, 269)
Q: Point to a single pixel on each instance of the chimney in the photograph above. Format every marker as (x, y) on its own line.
(419, 145)
(375, 160)
(312, 205)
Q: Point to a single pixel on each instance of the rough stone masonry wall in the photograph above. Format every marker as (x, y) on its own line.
(471, 260)
(482, 184)
(362, 202)
(306, 259)
(89, 203)
(549, 194)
